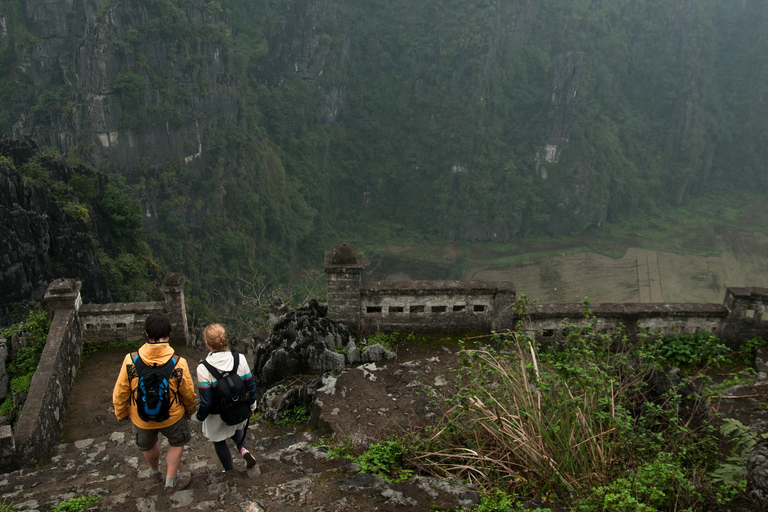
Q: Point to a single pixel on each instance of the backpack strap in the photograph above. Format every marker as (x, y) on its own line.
(212, 369)
(216, 373)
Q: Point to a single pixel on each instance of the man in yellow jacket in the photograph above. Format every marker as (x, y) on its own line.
(172, 420)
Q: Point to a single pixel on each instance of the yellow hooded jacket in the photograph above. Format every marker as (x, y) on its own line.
(182, 387)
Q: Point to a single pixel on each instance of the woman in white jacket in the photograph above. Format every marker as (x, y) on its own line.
(214, 428)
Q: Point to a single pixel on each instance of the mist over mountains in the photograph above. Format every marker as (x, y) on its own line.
(253, 134)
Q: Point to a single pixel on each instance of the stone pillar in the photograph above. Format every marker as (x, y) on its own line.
(343, 270)
(504, 307)
(62, 294)
(176, 307)
(739, 326)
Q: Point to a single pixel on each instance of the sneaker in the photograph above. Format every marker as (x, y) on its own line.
(181, 483)
(250, 460)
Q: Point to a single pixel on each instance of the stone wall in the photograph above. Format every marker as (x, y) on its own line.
(463, 306)
(547, 321)
(39, 426)
(72, 324)
(103, 323)
(428, 306)
(421, 306)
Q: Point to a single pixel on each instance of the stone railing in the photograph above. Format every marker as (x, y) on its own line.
(429, 306)
(72, 323)
(456, 306)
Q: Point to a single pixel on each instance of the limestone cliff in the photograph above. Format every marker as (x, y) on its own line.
(124, 82)
(40, 240)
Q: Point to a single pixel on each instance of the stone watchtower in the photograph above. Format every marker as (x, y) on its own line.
(343, 270)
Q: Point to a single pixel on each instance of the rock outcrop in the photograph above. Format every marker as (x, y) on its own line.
(306, 341)
(125, 82)
(40, 241)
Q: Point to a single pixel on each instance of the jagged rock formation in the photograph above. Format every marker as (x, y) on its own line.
(41, 241)
(307, 342)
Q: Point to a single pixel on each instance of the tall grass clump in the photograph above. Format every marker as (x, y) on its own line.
(575, 421)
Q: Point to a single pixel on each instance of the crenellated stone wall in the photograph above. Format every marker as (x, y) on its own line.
(420, 306)
(462, 306)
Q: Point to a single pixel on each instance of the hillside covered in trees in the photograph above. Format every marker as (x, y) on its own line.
(256, 133)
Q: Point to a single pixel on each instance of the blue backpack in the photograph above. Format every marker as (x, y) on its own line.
(153, 394)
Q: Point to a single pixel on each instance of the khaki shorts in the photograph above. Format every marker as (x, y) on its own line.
(177, 434)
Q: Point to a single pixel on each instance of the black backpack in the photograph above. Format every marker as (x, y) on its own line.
(153, 394)
(231, 400)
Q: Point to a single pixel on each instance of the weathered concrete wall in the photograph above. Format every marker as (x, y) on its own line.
(547, 321)
(343, 268)
(104, 323)
(455, 306)
(421, 306)
(40, 425)
(433, 306)
(747, 319)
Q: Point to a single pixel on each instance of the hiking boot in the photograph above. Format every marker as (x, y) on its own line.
(181, 483)
(250, 460)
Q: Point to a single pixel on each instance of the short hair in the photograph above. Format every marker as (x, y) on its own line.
(157, 326)
(216, 337)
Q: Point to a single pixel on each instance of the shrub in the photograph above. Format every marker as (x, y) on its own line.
(294, 416)
(76, 212)
(573, 420)
(130, 87)
(83, 187)
(75, 504)
(385, 459)
(21, 384)
(696, 350)
(7, 406)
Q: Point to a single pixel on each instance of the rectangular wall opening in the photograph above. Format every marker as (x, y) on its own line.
(459, 307)
(439, 309)
(416, 309)
(478, 308)
(373, 309)
(396, 309)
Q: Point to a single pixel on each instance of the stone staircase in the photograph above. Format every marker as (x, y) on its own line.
(293, 472)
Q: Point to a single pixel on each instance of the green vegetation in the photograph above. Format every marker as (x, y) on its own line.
(130, 87)
(75, 504)
(385, 459)
(693, 349)
(77, 212)
(295, 416)
(577, 419)
(35, 326)
(398, 122)
(389, 340)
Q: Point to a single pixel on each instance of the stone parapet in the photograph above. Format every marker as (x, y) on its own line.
(39, 426)
(104, 323)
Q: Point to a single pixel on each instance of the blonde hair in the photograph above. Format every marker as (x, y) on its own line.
(216, 337)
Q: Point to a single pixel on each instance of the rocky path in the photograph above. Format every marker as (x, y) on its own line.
(294, 472)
